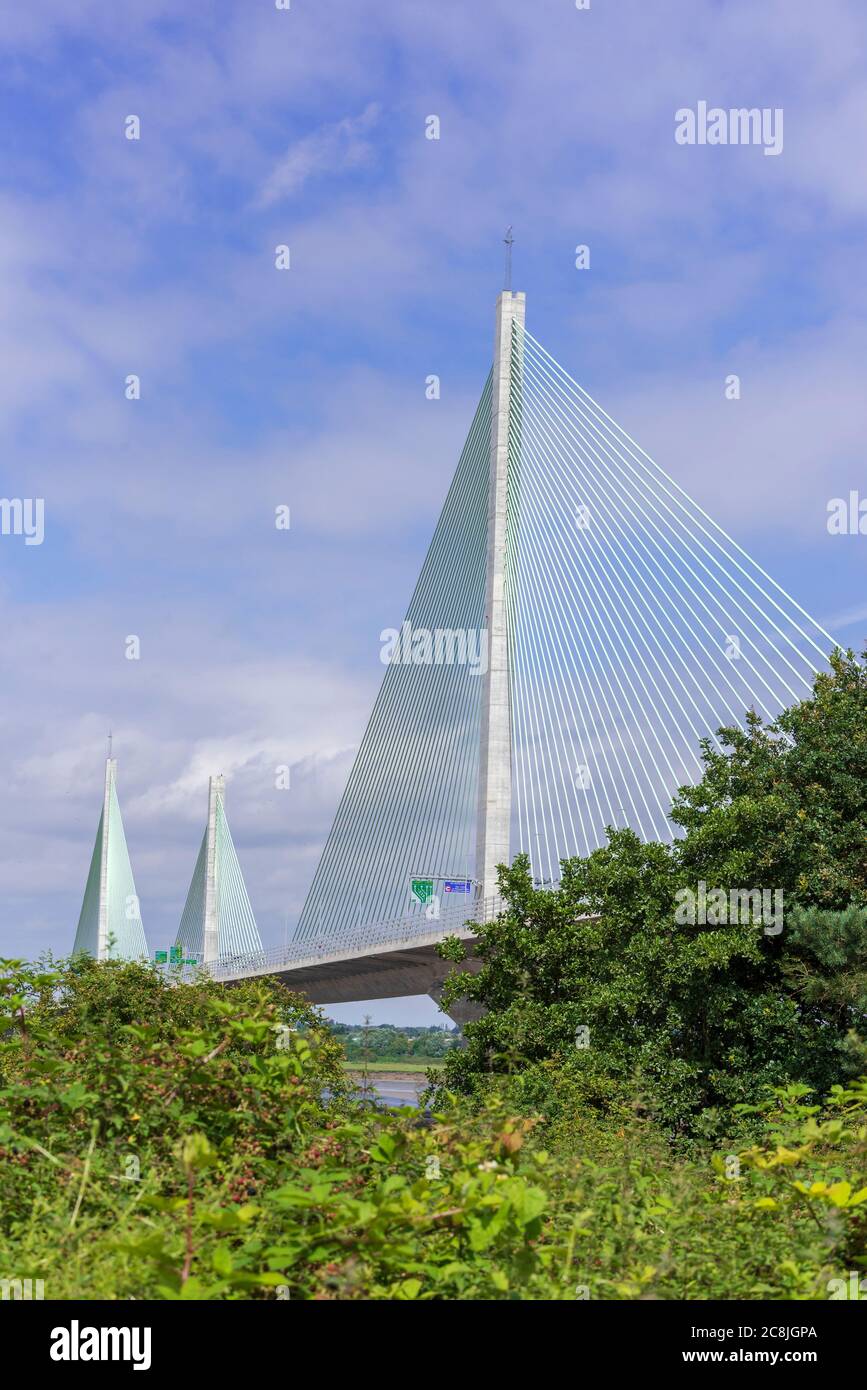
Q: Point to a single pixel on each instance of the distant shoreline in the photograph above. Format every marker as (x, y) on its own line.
(392, 1068)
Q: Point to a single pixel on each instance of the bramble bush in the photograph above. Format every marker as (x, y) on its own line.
(179, 1142)
(182, 1141)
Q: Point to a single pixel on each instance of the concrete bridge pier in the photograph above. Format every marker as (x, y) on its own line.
(463, 1010)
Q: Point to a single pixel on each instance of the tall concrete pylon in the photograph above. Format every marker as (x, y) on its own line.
(217, 920)
(495, 751)
(604, 596)
(429, 793)
(110, 924)
(210, 930)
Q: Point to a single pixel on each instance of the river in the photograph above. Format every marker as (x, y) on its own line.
(396, 1088)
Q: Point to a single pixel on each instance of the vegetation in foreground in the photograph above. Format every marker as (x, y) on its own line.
(174, 1143)
(647, 1109)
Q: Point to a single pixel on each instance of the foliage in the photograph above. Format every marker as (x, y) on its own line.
(599, 976)
(786, 803)
(177, 1142)
(813, 1164)
(250, 1182)
(826, 966)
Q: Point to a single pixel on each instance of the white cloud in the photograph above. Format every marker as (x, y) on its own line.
(333, 149)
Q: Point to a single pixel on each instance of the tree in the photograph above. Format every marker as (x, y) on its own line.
(600, 978)
(785, 804)
(826, 967)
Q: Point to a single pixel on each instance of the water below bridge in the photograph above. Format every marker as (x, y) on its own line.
(395, 1088)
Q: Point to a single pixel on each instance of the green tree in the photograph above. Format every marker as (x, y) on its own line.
(826, 967)
(599, 978)
(785, 804)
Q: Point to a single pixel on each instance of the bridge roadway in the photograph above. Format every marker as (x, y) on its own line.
(387, 960)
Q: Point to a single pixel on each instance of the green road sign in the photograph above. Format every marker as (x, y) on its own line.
(422, 890)
(161, 957)
(176, 955)
(191, 961)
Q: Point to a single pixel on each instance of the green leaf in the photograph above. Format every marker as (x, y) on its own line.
(410, 1288)
(838, 1193)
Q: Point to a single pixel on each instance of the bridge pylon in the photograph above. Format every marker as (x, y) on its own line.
(110, 924)
(217, 920)
(495, 742)
(580, 632)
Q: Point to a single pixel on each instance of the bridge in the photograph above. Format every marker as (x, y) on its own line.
(387, 960)
(579, 629)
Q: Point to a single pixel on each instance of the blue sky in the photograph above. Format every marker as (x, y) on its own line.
(306, 387)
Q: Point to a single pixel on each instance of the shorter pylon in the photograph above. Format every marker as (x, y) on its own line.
(217, 919)
(110, 922)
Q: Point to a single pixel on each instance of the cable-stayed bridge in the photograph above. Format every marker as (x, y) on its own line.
(578, 627)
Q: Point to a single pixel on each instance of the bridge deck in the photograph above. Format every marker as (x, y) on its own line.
(385, 960)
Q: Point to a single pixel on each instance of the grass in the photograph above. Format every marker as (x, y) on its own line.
(398, 1065)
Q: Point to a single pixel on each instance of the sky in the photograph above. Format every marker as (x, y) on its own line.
(304, 388)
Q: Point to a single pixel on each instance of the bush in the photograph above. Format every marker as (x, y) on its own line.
(173, 1142)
